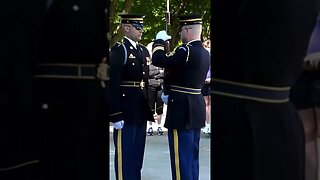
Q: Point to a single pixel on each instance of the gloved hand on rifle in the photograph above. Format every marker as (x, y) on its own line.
(118, 125)
(163, 35)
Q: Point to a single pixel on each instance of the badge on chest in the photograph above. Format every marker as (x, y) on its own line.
(131, 56)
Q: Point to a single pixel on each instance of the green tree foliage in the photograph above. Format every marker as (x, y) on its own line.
(154, 21)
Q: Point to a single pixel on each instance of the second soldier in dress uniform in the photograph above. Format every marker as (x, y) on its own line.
(186, 113)
(129, 109)
(258, 51)
(68, 92)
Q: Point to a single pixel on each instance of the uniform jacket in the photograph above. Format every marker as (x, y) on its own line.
(18, 129)
(260, 43)
(66, 135)
(188, 65)
(72, 111)
(129, 103)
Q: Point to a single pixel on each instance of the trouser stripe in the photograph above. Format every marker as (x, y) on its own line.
(119, 155)
(176, 153)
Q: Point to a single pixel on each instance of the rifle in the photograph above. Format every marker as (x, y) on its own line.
(167, 45)
(166, 85)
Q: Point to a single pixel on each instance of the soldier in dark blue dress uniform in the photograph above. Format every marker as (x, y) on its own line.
(258, 51)
(129, 109)
(69, 93)
(53, 105)
(186, 113)
(19, 135)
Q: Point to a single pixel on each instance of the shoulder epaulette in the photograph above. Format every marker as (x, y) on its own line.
(121, 45)
(185, 47)
(116, 45)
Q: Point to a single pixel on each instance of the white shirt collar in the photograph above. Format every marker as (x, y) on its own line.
(134, 44)
(193, 41)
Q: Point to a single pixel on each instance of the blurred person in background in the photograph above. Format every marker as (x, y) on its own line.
(206, 90)
(156, 75)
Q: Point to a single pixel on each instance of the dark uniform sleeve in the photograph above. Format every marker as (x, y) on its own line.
(161, 59)
(117, 57)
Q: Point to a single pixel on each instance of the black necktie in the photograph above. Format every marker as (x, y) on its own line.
(139, 49)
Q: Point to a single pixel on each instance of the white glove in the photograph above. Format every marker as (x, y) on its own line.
(118, 125)
(163, 35)
(165, 98)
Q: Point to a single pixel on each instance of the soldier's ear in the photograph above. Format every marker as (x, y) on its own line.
(125, 27)
(190, 31)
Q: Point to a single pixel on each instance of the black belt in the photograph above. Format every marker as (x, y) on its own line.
(66, 71)
(253, 92)
(139, 84)
(186, 90)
